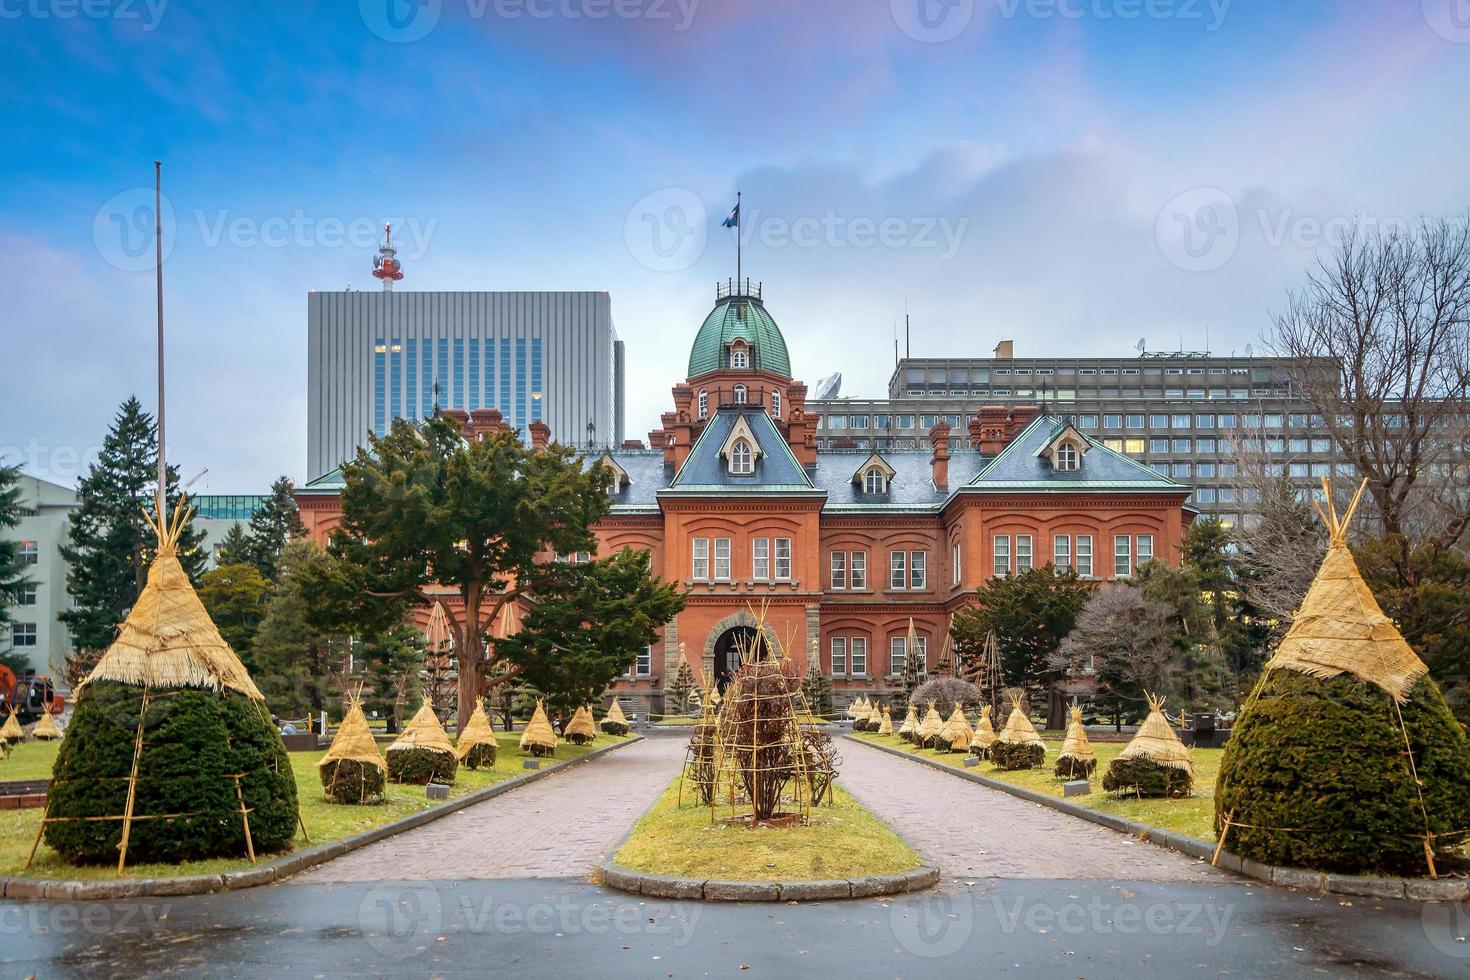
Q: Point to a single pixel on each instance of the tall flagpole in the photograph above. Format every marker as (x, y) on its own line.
(739, 280)
(158, 254)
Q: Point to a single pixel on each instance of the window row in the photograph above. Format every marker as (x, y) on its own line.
(849, 655)
(1014, 554)
(907, 570)
(770, 560)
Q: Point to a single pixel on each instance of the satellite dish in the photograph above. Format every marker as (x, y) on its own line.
(829, 386)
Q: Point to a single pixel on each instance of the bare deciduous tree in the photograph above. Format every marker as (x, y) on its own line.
(1393, 307)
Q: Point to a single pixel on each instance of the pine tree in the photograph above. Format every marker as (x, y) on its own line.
(296, 656)
(274, 525)
(817, 689)
(909, 680)
(679, 690)
(108, 544)
(234, 547)
(236, 596)
(13, 581)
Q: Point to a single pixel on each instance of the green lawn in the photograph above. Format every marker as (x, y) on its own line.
(1194, 816)
(324, 821)
(840, 841)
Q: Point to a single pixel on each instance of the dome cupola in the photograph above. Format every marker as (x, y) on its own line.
(739, 333)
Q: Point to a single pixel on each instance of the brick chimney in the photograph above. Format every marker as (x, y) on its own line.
(939, 439)
(459, 415)
(485, 423)
(540, 435)
(988, 430)
(1021, 416)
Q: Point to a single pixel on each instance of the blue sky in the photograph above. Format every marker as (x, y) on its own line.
(1073, 174)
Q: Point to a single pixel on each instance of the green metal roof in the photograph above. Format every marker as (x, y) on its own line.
(739, 316)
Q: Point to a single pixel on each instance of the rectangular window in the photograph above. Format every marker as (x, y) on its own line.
(380, 387)
(504, 391)
(1061, 551)
(1133, 447)
(760, 559)
(27, 597)
(896, 647)
(474, 376)
(859, 656)
(522, 417)
(1122, 556)
(411, 378)
(1002, 566)
(23, 635)
(722, 559)
(1087, 421)
(1144, 545)
(1204, 495)
(859, 569)
(954, 563)
(1023, 553)
(1112, 421)
(1204, 445)
(426, 378)
(30, 552)
(918, 569)
(839, 656)
(1181, 421)
(1159, 421)
(898, 569)
(1084, 555)
(458, 400)
(536, 381)
(905, 421)
(1134, 421)
(783, 559)
(699, 567)
(1158, 445)
(1180, 445)
(643, 666)
(839, 569)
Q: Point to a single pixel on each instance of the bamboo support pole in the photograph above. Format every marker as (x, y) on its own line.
(122, 855)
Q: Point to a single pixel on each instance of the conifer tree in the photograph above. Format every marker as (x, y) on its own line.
(817, 689)
(233, 548)
(274, 525)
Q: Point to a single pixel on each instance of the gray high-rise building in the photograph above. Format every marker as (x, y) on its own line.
(535, 356)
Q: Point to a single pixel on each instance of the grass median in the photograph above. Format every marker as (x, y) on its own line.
(1194, 815)
(325, 821)
(844, 840)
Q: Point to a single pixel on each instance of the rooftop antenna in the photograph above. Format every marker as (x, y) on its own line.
(158, 266)
(908, 347)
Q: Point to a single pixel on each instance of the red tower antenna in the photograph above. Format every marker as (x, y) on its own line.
(386, 266)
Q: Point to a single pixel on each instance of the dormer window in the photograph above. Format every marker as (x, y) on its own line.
(874, 481)
(739, 359)
(1067, 457)
(740, 394)
(872, 478)
(1065, 449)
(742, 461)
(703, 403)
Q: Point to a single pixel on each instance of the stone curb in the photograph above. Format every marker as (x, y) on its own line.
(1413, 889)
(276, 869)
(614, 875)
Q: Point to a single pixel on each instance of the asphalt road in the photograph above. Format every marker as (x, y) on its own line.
(548, 928)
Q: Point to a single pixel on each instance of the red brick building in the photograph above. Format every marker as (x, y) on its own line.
(737, 506)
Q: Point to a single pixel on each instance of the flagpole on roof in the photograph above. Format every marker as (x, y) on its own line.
(739, 269)
(158, 266)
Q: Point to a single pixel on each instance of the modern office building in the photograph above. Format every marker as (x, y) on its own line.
(35, 633)
(1181, 413)
(535, 356)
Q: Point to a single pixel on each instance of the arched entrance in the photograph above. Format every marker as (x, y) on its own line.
(736, 646)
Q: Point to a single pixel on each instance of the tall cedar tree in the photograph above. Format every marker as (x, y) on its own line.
(13, 580)
(422, 505)
(109, 546)
(1031, 613)
(299, 647)
(235, 597)
(275, 524)
(234, 547)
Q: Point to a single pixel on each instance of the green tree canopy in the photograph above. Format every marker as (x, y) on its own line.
(235, 597)
(1031, 613)
(275, 524)
(233, 548)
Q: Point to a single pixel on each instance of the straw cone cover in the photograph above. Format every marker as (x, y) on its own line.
(984, 730)
(956, 726)
(477, 731)
(423, 731)
(354, 740)
(1018, 729)
(581, 724)
(1340, 628)
(1076, 745)
(1158, 742)
(910, 722)
(885, 727)
(538, 730)
(615, 713)
(168, 640)
(11, 728)
(932, 724)
(46, 727)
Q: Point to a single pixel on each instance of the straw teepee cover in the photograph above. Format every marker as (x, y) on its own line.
(168, 640)
(910, 724)
(46, 727)
(1340, 628)
(11, 730)
(538, 730)
(1157, 741)
(932, 725)
(984, 729)
(1075, 745)
(354, 740)
(423, 731)
(581, 724)
(885, 727)
(615, 714)
(956, 727)
(477, 731)
(1018, 729)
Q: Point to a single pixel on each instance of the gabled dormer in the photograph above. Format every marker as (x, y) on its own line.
(874, 476)
(738, 355)
(741, 449)
(620, 480)
(1065, 449)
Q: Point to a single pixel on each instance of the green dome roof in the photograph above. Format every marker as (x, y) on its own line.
(735, 317)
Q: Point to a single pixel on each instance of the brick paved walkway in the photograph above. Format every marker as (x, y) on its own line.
(975, 831)
(557, 827)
